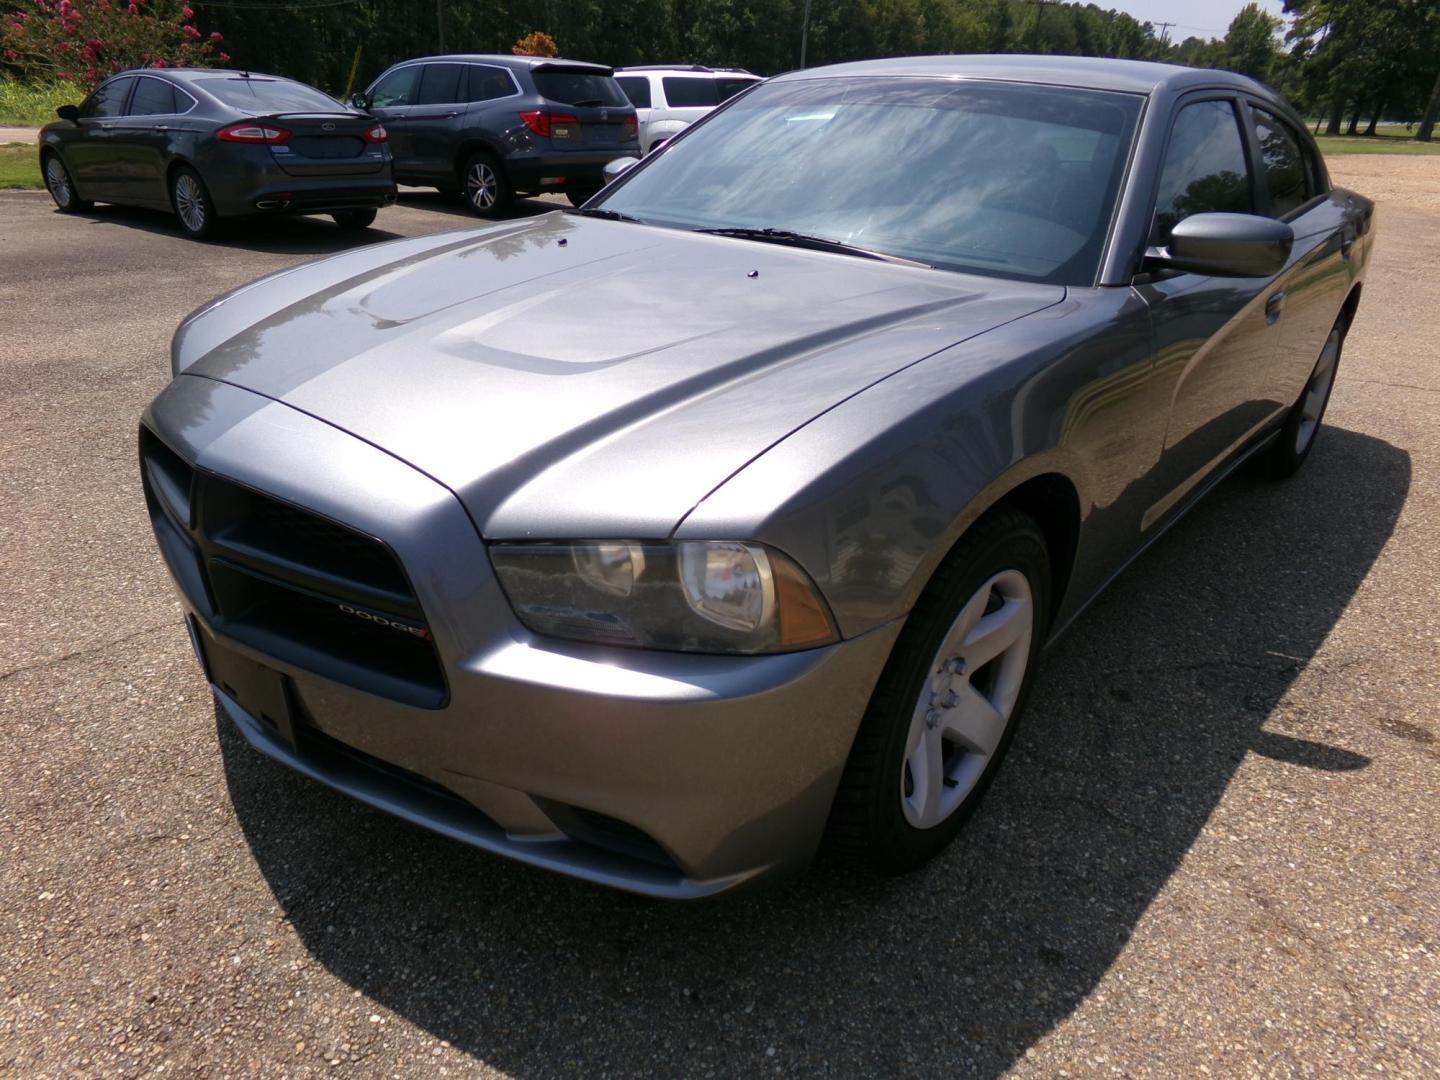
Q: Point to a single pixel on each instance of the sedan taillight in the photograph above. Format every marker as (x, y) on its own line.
(251, 132)
(377, 134)
(540, 121)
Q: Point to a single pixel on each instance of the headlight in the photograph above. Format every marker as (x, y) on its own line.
(714, 596)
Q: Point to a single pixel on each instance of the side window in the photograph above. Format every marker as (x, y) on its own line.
(397, 88)
(1286, 173)
(683, 92)
(728, 88)
(440, 85)
(488, 83)
(1204, 170)
(109, 100)
(153, 98)
(637, 89)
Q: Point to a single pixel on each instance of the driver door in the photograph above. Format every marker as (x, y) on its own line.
(93, 156)
(392, 99)
(1215, 337)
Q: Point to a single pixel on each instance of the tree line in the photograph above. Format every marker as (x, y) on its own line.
(1355, 60)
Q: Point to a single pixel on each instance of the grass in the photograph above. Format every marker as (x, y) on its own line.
(34, 104)
(1374, 144)
(19, 167)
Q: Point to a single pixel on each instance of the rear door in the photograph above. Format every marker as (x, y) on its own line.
(433, 122)
(1316, 279)
(589, 110)
(93, 157)
(141, 140)
(1214, 336)
(391, 99)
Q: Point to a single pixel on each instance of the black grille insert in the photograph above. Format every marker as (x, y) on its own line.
(292, 584)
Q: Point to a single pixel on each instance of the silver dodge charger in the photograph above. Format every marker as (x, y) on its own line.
(662, 541)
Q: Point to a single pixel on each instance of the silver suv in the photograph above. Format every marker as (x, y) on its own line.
(667, 100)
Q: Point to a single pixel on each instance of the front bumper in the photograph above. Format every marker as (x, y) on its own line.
(670, 775)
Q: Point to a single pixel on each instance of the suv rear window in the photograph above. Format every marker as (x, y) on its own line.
(637, 89)
(685, 92)
(269, 95)
(579, 88)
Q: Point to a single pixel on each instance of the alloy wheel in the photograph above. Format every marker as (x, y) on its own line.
(190, 202)
(482, 186)
(1317, 392)
(58, 181)
(965, 705)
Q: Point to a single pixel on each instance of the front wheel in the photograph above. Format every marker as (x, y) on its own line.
(62, 188)
(1297, 434)
(487, 191)
(193, 208)
(355, 220)
(580, 196)
(946, 706)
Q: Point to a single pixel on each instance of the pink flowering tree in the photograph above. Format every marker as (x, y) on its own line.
(83, 41)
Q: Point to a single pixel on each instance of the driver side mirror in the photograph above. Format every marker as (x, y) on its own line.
(68, 112)
(360, 99)
(1225, 245)
(614, 168)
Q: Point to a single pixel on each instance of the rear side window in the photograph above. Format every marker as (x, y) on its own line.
(269, 95)
(637, 89)
(488, 83)
(579, 88)
(728, 88)
(109, 100)
(396, 88)
(683, 92)
(1204, 169)
(153, 98)
(1283, 167)
(440, 85)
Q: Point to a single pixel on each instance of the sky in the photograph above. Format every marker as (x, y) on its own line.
(1193, 18)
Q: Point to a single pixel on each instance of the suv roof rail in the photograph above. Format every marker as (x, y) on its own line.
(682, 67)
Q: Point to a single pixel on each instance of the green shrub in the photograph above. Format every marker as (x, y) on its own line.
(33, 104)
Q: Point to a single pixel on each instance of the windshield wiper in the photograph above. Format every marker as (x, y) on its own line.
(608, 215)
(815, 243)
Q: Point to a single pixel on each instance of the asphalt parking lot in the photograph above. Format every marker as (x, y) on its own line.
(1215, 847)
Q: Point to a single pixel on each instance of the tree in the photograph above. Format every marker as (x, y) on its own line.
(536, 43)
(85, 41)
(1249, 46)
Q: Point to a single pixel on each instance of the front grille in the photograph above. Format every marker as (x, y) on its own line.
(291, 583)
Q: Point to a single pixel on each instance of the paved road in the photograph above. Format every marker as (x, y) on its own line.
(1215, 844)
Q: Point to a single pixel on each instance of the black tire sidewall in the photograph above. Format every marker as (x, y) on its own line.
(76, 203)
(1007, 540)
(355, 219)
(504, 193)
(1283, 459)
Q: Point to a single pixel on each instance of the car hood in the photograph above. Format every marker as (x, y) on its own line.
(568, 376)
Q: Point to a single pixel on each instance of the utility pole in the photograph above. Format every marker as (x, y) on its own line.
(804, 32)
(1038, 5)
(1164, 32)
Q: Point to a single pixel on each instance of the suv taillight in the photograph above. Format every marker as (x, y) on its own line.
(377, 134)
(541, 121)
(629, 129)
(248, 131)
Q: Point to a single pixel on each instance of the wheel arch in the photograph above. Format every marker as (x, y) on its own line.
(1352, 304)
(471, 146)
(1052, 501)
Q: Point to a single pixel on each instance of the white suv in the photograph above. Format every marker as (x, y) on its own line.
(667, 100)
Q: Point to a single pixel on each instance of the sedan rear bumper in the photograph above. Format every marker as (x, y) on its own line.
(671, 775)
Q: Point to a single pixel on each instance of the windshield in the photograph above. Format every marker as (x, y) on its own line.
(1005, 179)
(269, 95)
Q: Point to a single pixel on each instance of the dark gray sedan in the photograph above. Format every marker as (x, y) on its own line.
(209, 144)
(658, 541)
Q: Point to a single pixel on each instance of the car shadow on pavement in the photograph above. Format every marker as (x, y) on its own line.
(281, 235)
(1140, 719)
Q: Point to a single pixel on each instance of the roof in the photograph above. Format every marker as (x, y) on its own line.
(1090, 72)
(512, 60)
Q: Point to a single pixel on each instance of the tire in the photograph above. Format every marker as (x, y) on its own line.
(487, 191)
(1297, 434)
(61, 187)
(580, 196)
(191, 201)
(941, 703)
(355, 220)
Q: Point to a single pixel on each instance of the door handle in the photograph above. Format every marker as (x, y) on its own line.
(1347, 244)
(162, 127)
(1273, 307)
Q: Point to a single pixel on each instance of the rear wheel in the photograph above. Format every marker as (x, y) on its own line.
(945, 709)
(1297, 435)
(487, 192)
(193, 208)
(579, 196)
(61, 187)
(355, 220)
